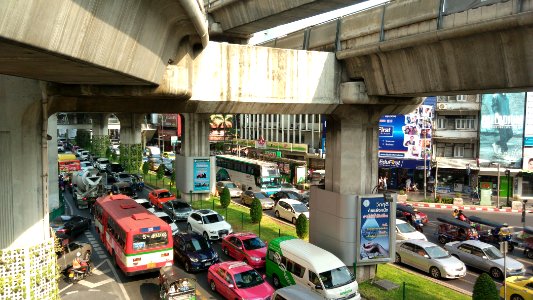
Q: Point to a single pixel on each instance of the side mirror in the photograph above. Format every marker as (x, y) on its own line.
(426, 256)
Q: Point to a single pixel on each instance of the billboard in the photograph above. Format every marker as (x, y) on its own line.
(201, 174)
(502, 128)
(375, 231)
(407, 136)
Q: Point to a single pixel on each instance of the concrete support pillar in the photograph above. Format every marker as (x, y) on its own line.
(130, 128)
(194, 160)
(99, 122)
(27, 247)
(53, 172)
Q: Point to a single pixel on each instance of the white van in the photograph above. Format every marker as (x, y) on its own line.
(292, 261)
(152, 151)
(295, 292)
(404, 231)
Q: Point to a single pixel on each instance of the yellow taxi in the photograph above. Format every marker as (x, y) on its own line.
(518, 288)
(169, 155)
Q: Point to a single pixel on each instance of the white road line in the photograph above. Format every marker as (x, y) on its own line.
(61, 291)
(120, 284)
(96, 284)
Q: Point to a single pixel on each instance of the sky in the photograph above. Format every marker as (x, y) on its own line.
(281, 30)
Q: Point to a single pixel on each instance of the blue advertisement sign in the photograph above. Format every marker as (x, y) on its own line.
(407, 136)
(502, 129)
(201, 170)
(375, 233)
(403, 163)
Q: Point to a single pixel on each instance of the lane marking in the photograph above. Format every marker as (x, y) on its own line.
(61, 291)
(91, 285)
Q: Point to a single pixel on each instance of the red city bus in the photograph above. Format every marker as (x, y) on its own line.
(138, 241)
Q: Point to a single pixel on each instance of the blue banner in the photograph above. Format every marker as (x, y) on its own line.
(201, 174)
(402, 163)
(407, 136)
(374, 232)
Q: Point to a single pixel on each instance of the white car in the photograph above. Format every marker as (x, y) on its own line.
(234, 190)
(430, 258)
(165, 217)
(101, 163)
(208, 223)
(404, 231)
(290, 209)
(84, 155)
(146, 204)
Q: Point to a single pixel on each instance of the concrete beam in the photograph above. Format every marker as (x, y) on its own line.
(96, 42)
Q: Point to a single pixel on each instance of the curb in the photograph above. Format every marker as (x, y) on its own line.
(466, 207)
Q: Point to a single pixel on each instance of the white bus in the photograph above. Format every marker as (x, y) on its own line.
(245, 172)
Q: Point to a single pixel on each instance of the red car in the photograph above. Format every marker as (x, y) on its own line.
(246, 247)
(237, 280)
(158, 197)
(419, 215)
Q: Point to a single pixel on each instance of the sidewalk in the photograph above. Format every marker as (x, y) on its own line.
(416, 199)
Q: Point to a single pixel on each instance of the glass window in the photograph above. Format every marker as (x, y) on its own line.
(407, 246)
(314, 278)
(465, 248)
(248, 279)
(336, 277)
(458, 150)
(492, 253)
(441, 123)
(149, 240)
(253, 243)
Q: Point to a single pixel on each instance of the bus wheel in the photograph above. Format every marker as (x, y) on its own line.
(275, 281)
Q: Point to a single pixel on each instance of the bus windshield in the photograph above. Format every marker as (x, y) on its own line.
(270, 182)
(149, 240)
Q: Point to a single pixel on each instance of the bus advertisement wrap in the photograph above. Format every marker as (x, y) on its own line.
(374, 230)
(201, 174)
(501, 129)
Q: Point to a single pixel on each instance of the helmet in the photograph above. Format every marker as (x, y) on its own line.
(78, 254)
(415, 210)
(505, 224)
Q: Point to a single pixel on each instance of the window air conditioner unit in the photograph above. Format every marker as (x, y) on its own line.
(442, 106)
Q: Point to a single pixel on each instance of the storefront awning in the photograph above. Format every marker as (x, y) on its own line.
(493, 171)
(456, 163)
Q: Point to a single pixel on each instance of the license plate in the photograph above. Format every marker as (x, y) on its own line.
(151, 265)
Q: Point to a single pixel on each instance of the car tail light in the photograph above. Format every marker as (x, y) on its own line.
(165, 254)
(136, 259)
(63, 231)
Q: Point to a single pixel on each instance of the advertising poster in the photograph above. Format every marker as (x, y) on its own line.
(501, 129)
(528, 129)
(201, 174)
(407, 136)
(374, 238)
(528, 159)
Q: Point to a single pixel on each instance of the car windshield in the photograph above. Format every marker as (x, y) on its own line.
(260, 196)
(492, 253)
(253, 243)
(248, 279)
(212, 218)
(270, 182)
(405, 228)
(437, 252)
(293, 196)
(300, 207)
(164, 195)
(167, 219)
(336, 277)
(177, 205)
(230, 185)
(198, 245)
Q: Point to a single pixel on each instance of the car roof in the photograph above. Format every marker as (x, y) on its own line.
(475, 243)
(141, 200)
(421, 243)
(187, 236)
(290, 201)
(161, 190)
(206, 211)
(244, 235)
(297, 292)
(235, 267)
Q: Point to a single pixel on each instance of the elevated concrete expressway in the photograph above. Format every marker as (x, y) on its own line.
(236, 20)
(409, 48)
(119, 42)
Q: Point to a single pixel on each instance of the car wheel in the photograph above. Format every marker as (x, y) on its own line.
(275, 281)
(277, 214)
(189, 228)
(516, 297)
(206, 236)
(213, 286)
(225, 250)
(496, 273)
(435, 272)
(188, 267)
(530, 254)
(294, 220)
(398, 259)
(442, 239)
